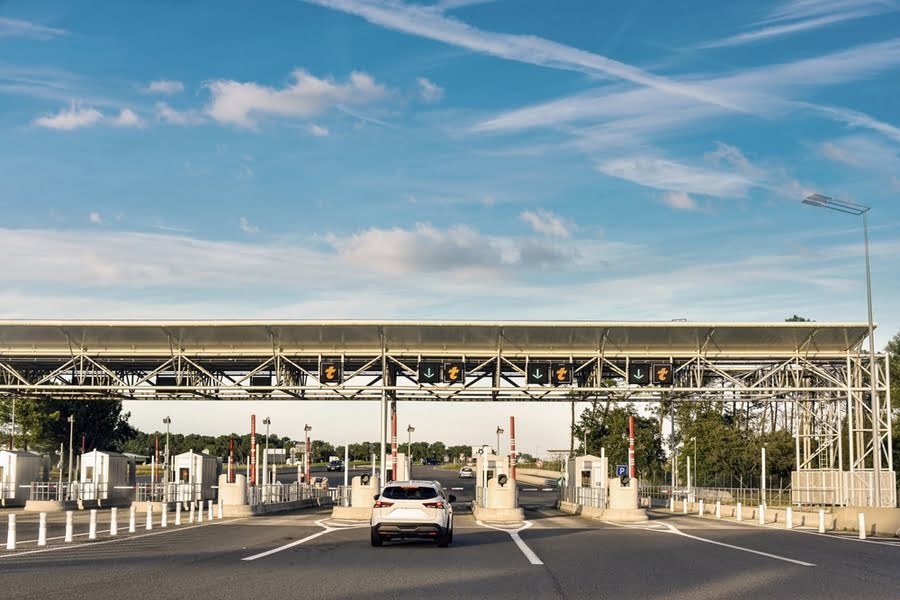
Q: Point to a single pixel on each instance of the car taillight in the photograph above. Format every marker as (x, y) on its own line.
(434, 505)
(381, 504)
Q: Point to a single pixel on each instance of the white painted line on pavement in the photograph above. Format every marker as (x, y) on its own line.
(514, 534)
(676, 531)
(320, 523)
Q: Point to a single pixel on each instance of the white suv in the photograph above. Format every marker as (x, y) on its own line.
(418, 509)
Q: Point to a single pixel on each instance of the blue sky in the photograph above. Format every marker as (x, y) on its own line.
(454, 159)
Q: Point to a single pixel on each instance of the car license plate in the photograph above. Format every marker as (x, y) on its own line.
(407, 513)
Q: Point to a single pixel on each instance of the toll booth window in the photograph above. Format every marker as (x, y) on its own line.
(409, 493)
(490, 474)
(88, 474)
(585, 479)
(183, 475)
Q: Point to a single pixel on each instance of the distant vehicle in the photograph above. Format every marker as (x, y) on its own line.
(466, 473)
(319, 482)
(335, 465)
(413, 509)
(430, 461)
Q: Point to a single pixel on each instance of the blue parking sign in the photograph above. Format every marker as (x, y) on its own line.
(621, 470)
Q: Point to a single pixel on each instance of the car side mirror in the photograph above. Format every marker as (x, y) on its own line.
(451, 498)
(377, 496)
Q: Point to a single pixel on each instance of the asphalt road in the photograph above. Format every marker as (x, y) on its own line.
(306, 554)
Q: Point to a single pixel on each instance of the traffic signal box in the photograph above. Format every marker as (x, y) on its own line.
(638, 374)
(429, 372)
(330, 372)
(538, 374)
(663, 374)
(562, 374)
(454, 372)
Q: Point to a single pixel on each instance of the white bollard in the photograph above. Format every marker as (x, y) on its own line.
(149, 525)
(191, 519)
(672, 504)
(11, 533)
(200, 511)
(700, 512)
(92, 530)
(718, 509)
(178, 514)
(114, 521)
(42, 530)
(684, 506)
(69, 525)
(164, 518)
(210, 510)
(739, 512)
(762, 514)
(789, 520)
(862, 526)
(821, 521)
(132, 519)
(221, 509)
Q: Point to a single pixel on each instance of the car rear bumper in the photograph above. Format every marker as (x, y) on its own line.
(409, 530)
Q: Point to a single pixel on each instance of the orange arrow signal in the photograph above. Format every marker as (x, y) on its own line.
(561, 373)
(330, 372)
(662, 373)
(453, 372)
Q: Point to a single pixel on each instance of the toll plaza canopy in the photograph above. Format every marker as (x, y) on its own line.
(426, 360)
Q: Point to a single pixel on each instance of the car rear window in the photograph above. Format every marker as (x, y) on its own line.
(409, 493)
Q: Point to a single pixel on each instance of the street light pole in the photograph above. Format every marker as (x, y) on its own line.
(307, 429)
(409, 432)
(820, 201)
(586, 430)
(696, 464)
(499, 433)
(267, 421)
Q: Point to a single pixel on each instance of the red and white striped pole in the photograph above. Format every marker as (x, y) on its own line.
(631, 446)
(252, 449)
(512, 447)
(393, 441)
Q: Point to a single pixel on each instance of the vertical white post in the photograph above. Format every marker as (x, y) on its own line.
(69, 526)
(701, 507)
(718, 509)
(114, 521)
(739, 512)
(149, 516)
(789, 521)
(164, 517)
(92, 528)
(862, 526)
(762, 480)
(191, 518)
(690, 489)
(200, 511)
(11, 533)
(42, 530)
(684, 505)
(762, 514)
(672, 503)
(132, 519)
(821, 521)
(221, 509)
(178, 513)
(209, 503)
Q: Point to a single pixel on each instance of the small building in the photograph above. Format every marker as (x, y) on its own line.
(195, 476)
(18, 468)
(106, 476)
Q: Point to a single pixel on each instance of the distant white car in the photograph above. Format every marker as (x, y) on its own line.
(319, 482)
(413, 509)
(466, 473)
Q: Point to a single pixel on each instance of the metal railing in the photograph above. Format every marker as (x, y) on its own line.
(44, 491)
(277, 493)
(786, 496)
(584, 496)
(170, 492)
(340, 495)
(7, 490)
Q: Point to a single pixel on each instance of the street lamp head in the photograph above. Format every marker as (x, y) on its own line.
(267, 421)
(71, 419)
(307, 428)
(166, 420)
(499, 430)
(844, 206)
(410, 429)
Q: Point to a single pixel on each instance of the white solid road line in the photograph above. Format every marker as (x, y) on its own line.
(320, 523)
(672, 529)
(514, 534)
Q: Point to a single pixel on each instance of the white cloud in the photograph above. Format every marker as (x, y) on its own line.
(247, 226)
(95, 218)
(838, 154)
(127, 118)
(242, 104)
(669, 175)
(429, 91)
(805, 15)
(317, 130)
(164, 86)
(858, 119)
(547, 223)
(70, 118)
(425, 22)
(171, 116)
(18, 28)
(680, 201)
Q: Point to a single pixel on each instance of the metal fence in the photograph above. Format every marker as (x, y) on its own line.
(584, 496)
(782, 496)
(169, 492)
(340, 495)
(277, 493)
(47, 491)
(7, 490)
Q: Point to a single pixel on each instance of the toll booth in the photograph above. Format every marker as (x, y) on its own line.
(402, 467)
(488, 466)
(106, 476)
(588, 471)
(195, 476)
(17, 468)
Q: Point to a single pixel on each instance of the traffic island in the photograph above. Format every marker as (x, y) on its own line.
(499, 503)
(363, 489)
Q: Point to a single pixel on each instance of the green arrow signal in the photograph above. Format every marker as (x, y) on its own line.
(537, 374)
(429, 374)
(638, 374)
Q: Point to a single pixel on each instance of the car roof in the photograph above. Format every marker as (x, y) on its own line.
(416, 482)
